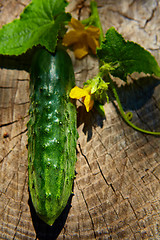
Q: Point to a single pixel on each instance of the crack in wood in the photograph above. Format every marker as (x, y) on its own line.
(5, 87)
(101, 140)
(12, 122)
(144, 122)
(8, 152)
(20, 209)
(90, 216)
(102, 173)
(123, 15)
(21, 3)
(22, 80)
(156, 103)
(79, 210)
(152, 14)
(5, 205)
(22, 103)
(7, 124)
(130, 5)
(7, 186)
(155, 176)
(101, 211)
(84, 156)
(80, 6)
(132, 208)
(19, 134)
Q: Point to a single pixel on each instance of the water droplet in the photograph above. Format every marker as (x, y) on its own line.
(44, 146)
(48, 107)
(55, 140)
(48, 163)
(55, 166)
(48, 129)
(56, 120)
(48, 195)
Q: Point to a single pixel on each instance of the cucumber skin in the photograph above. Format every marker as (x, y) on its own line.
(52, 133)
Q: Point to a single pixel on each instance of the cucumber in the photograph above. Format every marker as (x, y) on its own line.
(52, 133)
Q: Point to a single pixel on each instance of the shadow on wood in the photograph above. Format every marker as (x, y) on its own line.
(44, 231)
(89, 119)
(135, 95)
(21, 62)
(140, 98)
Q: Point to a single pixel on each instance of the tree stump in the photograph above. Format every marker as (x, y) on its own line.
(117, 185)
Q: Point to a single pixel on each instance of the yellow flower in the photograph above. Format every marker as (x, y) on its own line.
(82, 38)
(85, 94)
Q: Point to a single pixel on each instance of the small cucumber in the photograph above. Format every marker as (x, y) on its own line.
(52, 133)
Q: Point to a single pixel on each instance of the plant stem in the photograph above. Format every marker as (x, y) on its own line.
(94, 19)
(94, 12)
(124, 115)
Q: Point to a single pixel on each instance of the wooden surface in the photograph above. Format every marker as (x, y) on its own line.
(117, 185)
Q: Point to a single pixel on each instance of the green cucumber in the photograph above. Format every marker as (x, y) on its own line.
(52, 133)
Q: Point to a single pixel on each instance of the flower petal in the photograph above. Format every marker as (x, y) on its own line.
(77, 25)
(92, 43)
(88, 102)
(70, 38)
(77, 93)
(82, 38)
(80, 50)
(93, 31)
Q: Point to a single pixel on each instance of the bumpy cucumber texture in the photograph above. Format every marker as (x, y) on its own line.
(52, 133)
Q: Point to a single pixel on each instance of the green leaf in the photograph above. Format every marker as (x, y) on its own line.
(39, 23)
(125, 57)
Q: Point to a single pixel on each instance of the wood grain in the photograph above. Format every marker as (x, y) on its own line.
(117, 185)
